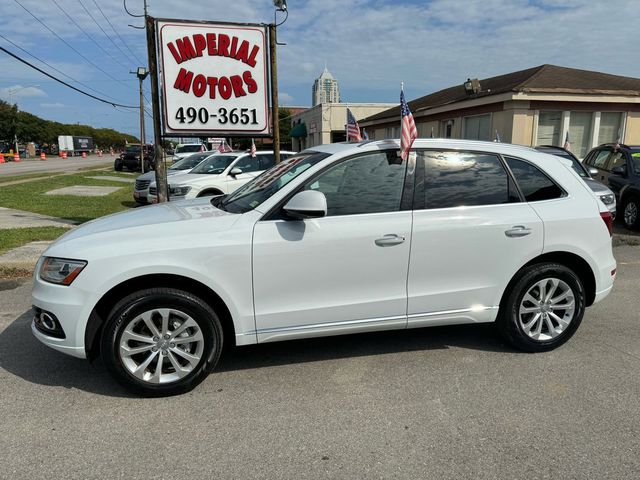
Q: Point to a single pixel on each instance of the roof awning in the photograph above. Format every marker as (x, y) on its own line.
(298, 130)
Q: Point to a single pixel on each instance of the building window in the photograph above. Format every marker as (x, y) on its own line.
(549, 125)
(477, 127)
(446, 128)
(580, 132)
(610, 127)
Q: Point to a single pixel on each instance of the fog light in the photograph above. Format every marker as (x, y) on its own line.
(47, 323)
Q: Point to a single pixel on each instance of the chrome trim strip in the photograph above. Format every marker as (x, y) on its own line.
(330, 324)
(451, 312)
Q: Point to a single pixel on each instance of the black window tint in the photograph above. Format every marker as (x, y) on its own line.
(368, 184)
(248, 164)
(267, 160)
(455, 179)
(534, 184)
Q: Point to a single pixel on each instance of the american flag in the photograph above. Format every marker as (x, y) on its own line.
(497, 137)
(618, 141)
(365, 135)
(253, 148)
(567, 143)
(353, 130)
(224, 148)
(408, 130)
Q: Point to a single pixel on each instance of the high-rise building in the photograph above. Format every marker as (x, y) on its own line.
(325, 89)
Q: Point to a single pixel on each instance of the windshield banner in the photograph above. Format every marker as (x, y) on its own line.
(214, 78)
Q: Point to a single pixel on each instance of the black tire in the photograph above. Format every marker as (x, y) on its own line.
(631, 218)
(508, 321)
(117, 166)
(125, 313)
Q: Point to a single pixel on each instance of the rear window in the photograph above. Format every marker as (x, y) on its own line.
(534, 184)
(189, 148)
(456, 179)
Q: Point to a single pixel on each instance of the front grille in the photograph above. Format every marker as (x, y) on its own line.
(153, 191)
(142, 184)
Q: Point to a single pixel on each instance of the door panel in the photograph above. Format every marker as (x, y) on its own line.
(462, 258)
(328, 275)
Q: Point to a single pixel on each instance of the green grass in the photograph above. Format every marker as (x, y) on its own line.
(27, 176)
(16, 237)
(30, 197)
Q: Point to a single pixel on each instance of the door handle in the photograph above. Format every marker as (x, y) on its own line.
(518, 231)
(389, 240)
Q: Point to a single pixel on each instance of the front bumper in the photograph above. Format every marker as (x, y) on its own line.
(69, 305)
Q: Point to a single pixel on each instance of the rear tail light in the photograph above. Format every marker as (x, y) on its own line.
(607, 218)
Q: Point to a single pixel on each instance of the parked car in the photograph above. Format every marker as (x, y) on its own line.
(603, 192)
(185, 149)
(130, 158)
(219, 174)
(141, 187)
(341, 238)
(619, 167)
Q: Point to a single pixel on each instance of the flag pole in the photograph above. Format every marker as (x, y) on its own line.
(346, 123)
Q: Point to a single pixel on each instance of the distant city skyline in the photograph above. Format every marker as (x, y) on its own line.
(370, 46)
(325, 89)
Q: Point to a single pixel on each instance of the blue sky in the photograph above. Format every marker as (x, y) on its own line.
(370, 46)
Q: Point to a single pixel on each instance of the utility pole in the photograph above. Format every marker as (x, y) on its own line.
(141, 73)
(275, 115)
(161, 172)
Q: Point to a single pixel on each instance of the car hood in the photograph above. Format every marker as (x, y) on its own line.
(597, 187)
(138, 229)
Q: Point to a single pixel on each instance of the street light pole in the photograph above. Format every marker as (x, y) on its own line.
(141, 73)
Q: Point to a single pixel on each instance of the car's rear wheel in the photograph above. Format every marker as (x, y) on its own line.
(117, 166)
(631, 212)
(161, 341)
(543, 309)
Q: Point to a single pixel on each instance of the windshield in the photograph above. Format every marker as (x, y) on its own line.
(133, 149)
(264, 186)
(577, 166)
(190, 161)
(193, 147)
(214, 165)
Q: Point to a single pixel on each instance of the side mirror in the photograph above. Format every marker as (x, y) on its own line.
(593, 171)
(306, 204)
(235, 171)
(620, 170)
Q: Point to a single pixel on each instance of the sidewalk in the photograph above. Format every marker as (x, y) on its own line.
(23, 259)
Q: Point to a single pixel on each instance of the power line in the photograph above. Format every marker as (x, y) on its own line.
(105, 33)
(89, 36)
(114, 31)
(63, 82)
(68, 44)
(57, 70)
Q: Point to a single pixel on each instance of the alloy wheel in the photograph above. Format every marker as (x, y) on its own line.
(630, 213)
(547, 309)
(161, 345)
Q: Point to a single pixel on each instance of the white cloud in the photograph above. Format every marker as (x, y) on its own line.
(14, 92)
(285, 98)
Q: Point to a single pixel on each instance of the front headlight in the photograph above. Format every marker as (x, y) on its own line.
(178, 191)
(61, 271)
(608, 199)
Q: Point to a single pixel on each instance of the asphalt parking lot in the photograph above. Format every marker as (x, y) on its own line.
(448, 402)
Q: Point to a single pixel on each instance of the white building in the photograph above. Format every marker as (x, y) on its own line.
(325, 89)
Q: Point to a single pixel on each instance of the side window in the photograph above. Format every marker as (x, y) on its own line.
(534, 184)
(598, 159)
(371, 183)
(248, 164)
(618, 159)
(455, 179)
(267, 160)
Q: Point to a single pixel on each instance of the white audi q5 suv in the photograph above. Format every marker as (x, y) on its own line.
(340, 238)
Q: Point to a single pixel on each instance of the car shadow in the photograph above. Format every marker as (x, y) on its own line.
(24, 356)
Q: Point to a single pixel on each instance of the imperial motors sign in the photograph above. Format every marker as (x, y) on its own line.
(214, 78)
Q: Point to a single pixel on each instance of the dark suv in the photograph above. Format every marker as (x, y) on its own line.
(130, 159)
(619, 167)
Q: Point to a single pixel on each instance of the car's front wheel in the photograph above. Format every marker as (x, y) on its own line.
(543, 309)
(631, 212)
(161, 341)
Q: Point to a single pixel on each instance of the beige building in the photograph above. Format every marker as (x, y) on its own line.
(537, 106)
(325, 123)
